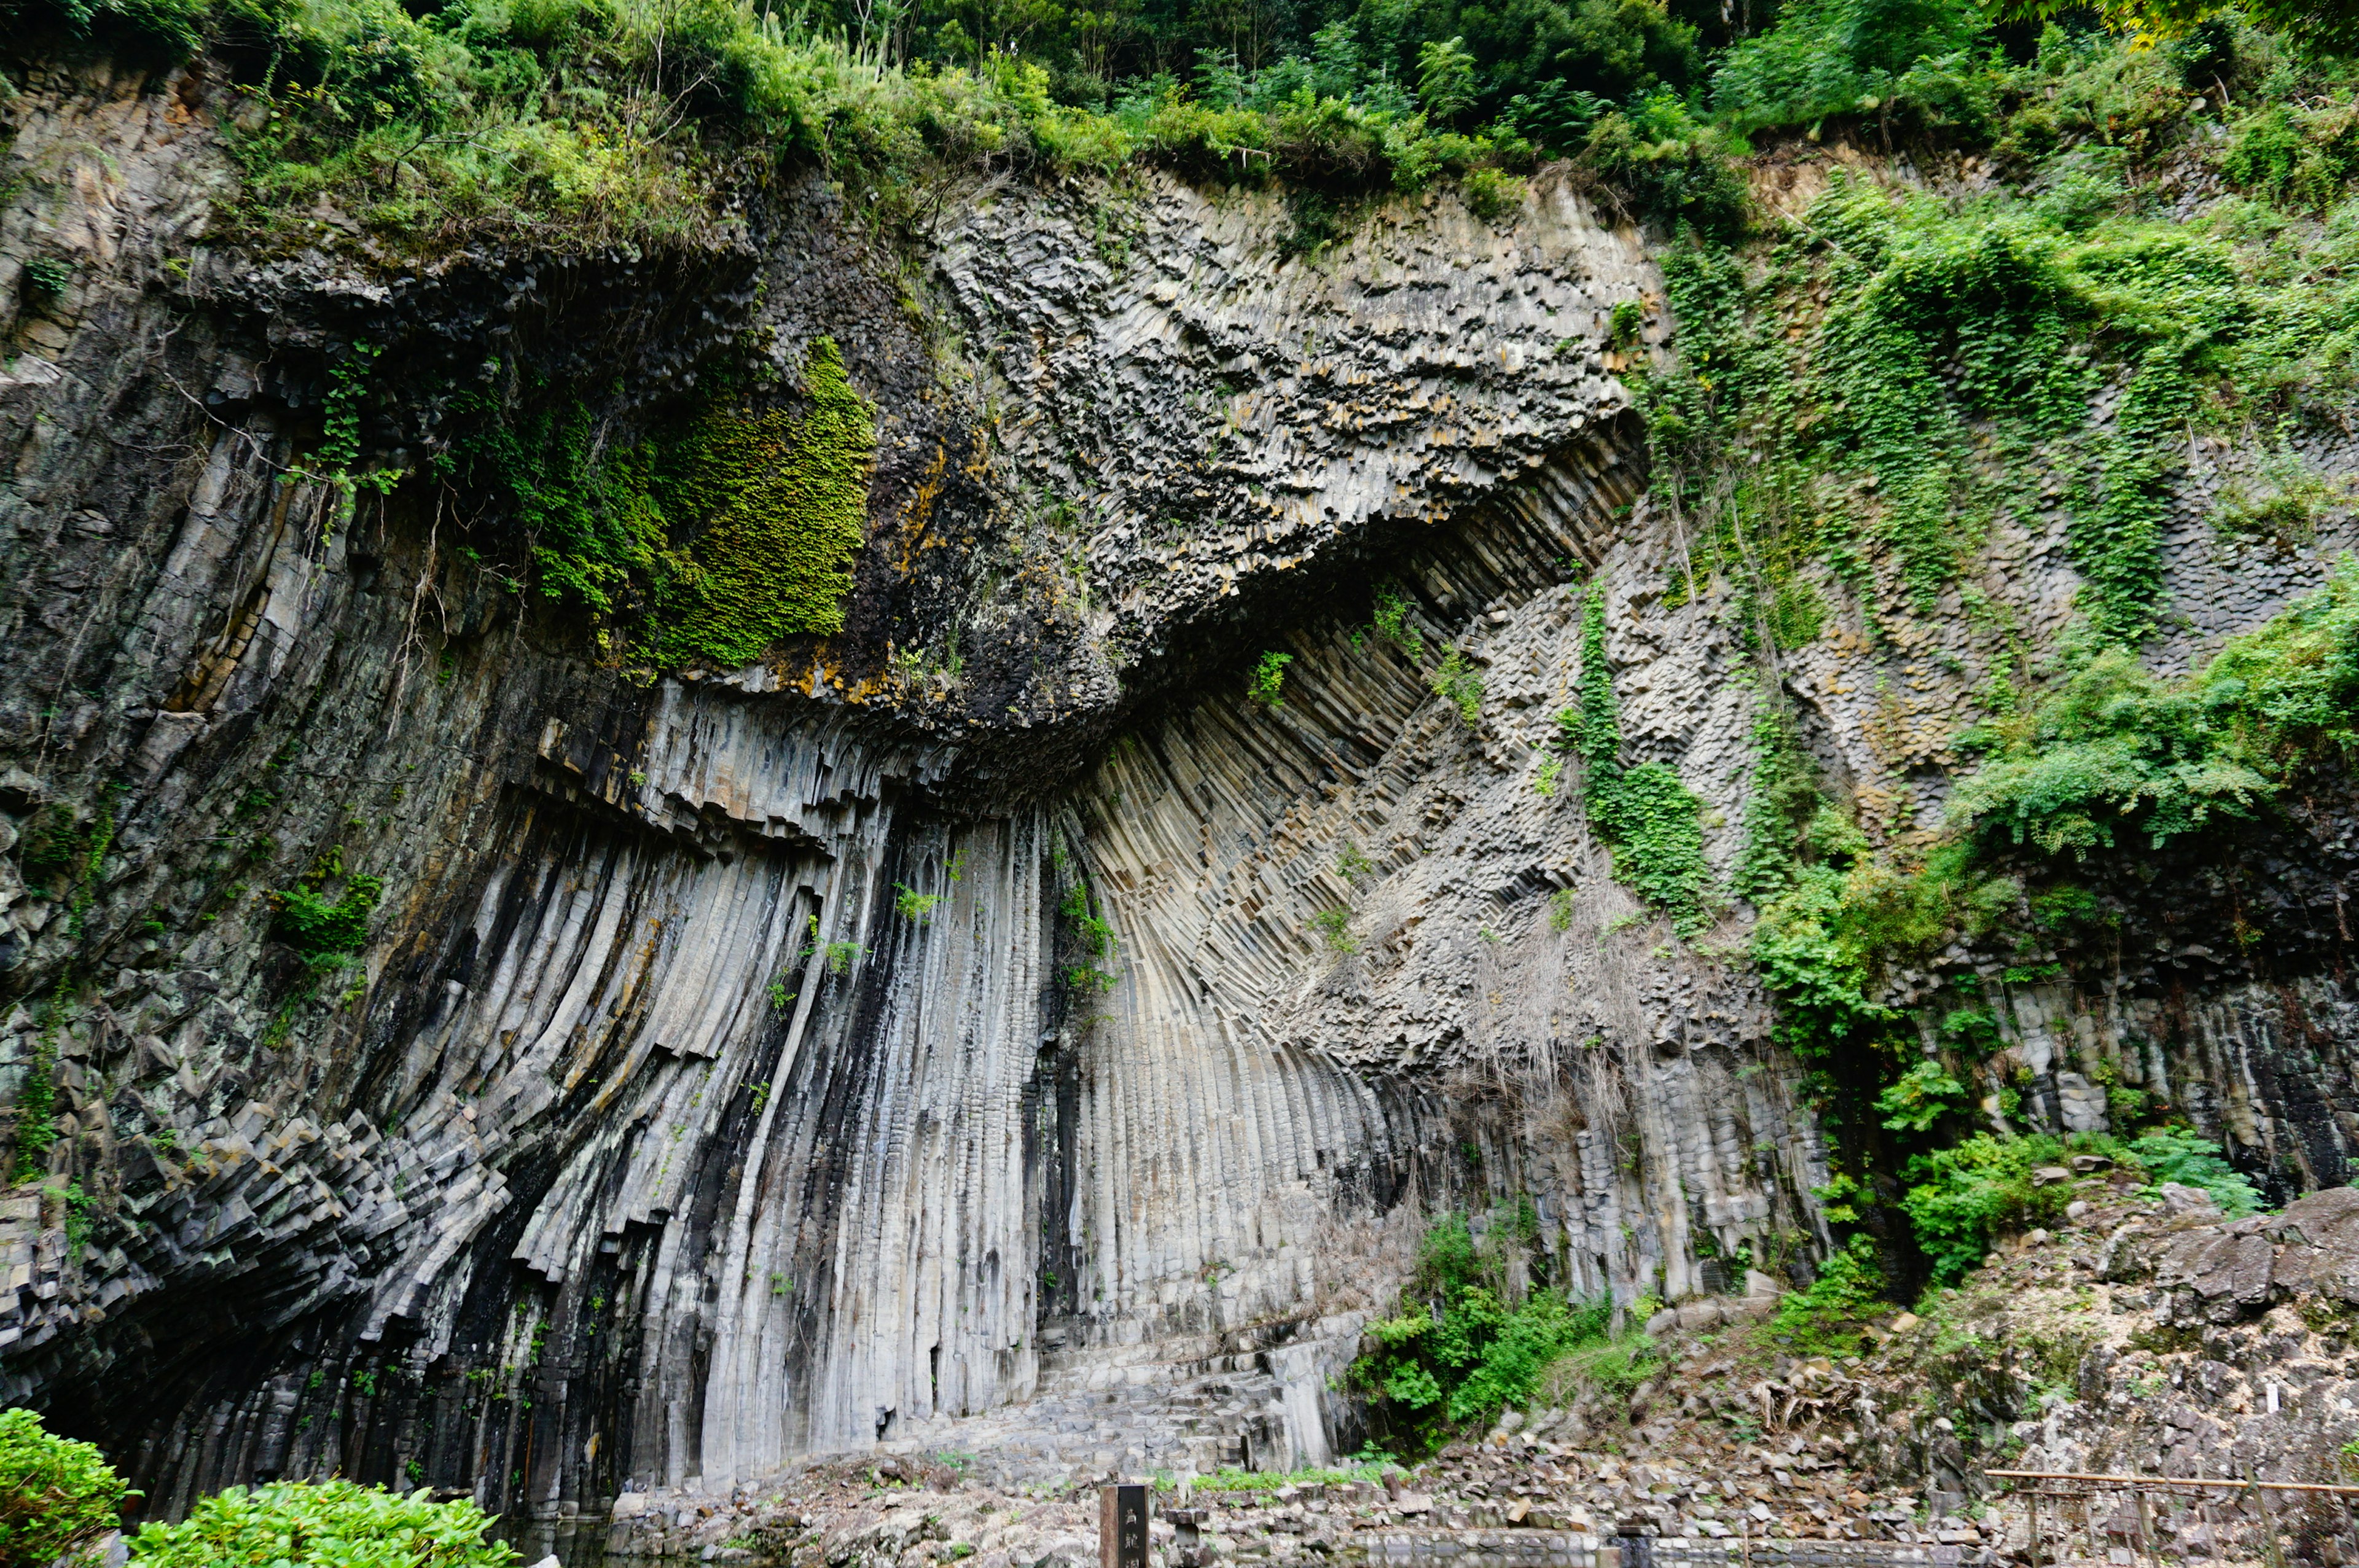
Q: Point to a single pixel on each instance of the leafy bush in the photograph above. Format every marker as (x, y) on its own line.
(1470, 1353)
(1849, 1289)
(1960, 1198)
(2182, 1155)
(326, 932)
(2114, 746)
(55, 1494)
(325, 1522)
(1827, 57)
(1654, 822)
(1922, 1097)
(1266, 685)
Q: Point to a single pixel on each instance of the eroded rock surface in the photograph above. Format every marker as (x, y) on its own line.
(713, 1087)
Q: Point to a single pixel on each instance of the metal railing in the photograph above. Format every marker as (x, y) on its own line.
(2138, 1525)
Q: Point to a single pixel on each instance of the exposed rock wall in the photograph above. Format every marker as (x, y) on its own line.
(715, 1086)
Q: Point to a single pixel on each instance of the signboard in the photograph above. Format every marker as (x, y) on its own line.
(1122, 1527)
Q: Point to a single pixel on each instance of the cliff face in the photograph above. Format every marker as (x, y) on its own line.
(945, 1013)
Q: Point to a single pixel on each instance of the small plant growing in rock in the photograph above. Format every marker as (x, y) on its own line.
(1544, 781)
(1559, 917)
(1459, 682)
(1352, 865)
(1621, 328)
(1391, 623)
(56, 1495)
(1335, 928)
(46, 277)
(1267, 684)
(326, 933)
(912, 904)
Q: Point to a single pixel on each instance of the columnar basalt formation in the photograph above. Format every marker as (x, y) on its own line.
(715, 1083)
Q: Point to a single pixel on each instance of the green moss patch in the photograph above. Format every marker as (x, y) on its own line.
(782, 504)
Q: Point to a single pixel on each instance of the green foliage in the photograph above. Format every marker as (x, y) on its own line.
(340, 420)
(1095, 935)
(322, 1522)
(46, 276)
(1458, 681)
(2112, 746)
(1267, 682)
(1654, 822)
(1830, 58)
(1227, 1480)
(1493, 195)
(912, 904)
(326, 933)
(1334, 929)
(1960, 1198)
(1456, 1351)
(592, 511)
(1655, 158)
(1922, 1096)
(1850, 1289)
(2183, 1155)
(784, 505)
(1391, 622)
(56, 1495)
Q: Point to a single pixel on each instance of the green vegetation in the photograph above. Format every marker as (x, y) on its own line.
(1271, 1480)
(325, 931)
(1391, 624)
(1458, 681)
(2177, 1154)
(785, 504)
(730, 527)
(1458, 1349)
(325, 1522)
(1094, 934)
(55, 1494)
(912, 904)
(1850, 1289)
(1267, 684)
(1654, 822)
(1334, 929)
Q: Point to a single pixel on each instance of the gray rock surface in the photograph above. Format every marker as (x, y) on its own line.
(655, 1138)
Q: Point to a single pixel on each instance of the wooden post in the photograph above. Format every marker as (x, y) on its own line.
(2268, 1523)
(1122, 1527)
(2033, 1498)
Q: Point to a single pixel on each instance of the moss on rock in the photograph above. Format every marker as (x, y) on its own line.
(782, 504)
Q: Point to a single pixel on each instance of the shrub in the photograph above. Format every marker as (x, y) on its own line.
(1850, 1289)
(1494, 194)
(1844, 57)
(1459, 682)
(1266, 685)
(55, 1494)
(2182, 1155)
(1476, 1353)
(2114, 746)
(326, 933)
(1960, 1198)
(338, 1523)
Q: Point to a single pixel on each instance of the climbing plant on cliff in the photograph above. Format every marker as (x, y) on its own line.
(1654, 822)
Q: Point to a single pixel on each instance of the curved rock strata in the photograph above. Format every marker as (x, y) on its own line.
(735, 1067)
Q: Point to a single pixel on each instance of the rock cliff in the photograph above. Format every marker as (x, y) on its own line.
(981, 1005)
